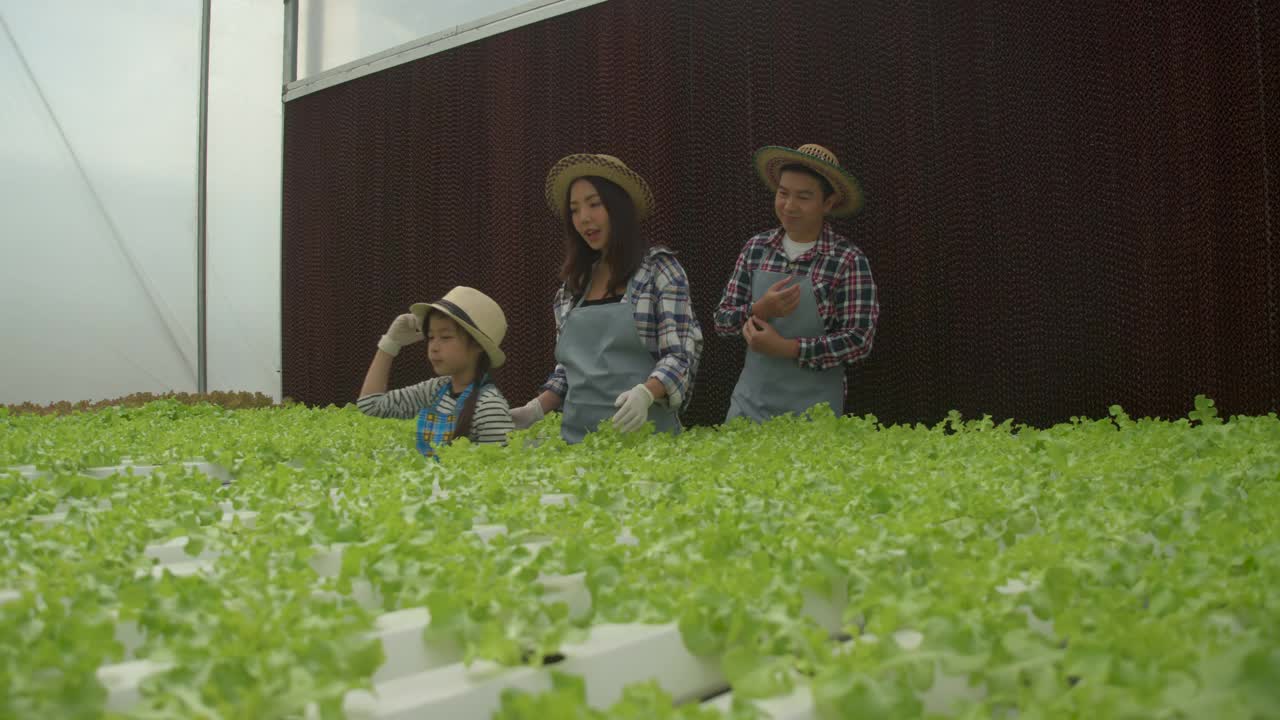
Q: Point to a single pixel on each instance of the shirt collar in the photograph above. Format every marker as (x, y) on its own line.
(825, 244)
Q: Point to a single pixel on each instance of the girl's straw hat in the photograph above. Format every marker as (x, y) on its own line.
(476, 313)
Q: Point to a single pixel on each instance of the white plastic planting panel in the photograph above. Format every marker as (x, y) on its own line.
(421, 680)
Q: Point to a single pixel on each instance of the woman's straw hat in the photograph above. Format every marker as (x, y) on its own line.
(572, 167)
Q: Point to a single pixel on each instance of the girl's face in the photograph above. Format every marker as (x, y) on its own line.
(451, 350)
(590, 218)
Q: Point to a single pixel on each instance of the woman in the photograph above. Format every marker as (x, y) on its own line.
(627, 343)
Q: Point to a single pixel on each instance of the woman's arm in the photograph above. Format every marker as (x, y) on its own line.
(679, 335)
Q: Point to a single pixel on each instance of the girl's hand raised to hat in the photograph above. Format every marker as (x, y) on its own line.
(404, 330)
(779, 301)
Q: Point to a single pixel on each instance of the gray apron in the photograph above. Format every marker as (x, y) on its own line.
(603, 357)
(770, 386)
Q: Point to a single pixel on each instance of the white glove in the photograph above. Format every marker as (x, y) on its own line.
(633, 408)
(526, 415)
(404, 330)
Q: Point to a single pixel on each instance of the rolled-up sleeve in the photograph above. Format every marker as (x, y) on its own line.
(557, 382)
(401, 403)
(677, 331)
(851, 327)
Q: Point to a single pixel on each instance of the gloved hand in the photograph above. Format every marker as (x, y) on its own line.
(404, 330)
(526, 415)
(633, 408)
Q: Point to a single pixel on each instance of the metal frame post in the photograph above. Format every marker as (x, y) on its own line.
(290, 41)
(202, 172)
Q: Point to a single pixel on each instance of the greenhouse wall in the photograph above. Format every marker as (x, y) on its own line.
(1067, 207)
(98, 168)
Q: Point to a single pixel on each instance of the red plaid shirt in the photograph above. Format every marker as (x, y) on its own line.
(842, 284)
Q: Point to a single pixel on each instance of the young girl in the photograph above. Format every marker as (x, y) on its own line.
(463, 331)
(627, 343)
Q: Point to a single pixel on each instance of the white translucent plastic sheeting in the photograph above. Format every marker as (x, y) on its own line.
(243, 226)
(336, 32)
(97, 198)
(98, 167)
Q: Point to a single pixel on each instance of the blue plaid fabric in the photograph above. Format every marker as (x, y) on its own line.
(663, 311)
(435, 429)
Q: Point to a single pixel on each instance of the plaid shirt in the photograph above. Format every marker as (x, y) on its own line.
(842, 284)
(659, 295)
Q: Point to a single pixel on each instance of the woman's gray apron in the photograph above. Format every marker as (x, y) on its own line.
(603, 357)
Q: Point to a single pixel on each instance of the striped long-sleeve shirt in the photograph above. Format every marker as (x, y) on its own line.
(663, 312)
(842, 285)
(490, 424)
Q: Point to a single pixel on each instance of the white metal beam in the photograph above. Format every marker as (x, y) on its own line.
(526, 14)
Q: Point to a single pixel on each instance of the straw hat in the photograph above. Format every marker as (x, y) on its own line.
(572, 167)
(476, 313)
(770, 160)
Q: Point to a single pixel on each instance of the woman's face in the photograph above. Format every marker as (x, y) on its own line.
(590, 218)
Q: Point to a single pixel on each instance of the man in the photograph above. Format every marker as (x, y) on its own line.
(801, 295)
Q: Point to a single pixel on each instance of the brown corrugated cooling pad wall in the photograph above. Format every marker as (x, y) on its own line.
(1068, 206)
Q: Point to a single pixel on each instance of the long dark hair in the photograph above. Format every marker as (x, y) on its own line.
(463, 428)
(625, 251)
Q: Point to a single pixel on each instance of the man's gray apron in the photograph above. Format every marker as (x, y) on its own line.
(603, 357)
(770, 386)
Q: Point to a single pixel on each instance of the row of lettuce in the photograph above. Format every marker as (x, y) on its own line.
(1113, 567)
